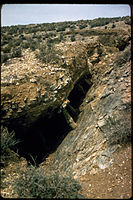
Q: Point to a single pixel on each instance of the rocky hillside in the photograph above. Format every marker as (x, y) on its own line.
(71, 97)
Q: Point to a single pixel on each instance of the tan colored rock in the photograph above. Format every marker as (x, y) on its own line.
(29, 84)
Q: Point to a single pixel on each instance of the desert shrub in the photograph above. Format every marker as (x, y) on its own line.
(49, 41)
(6, 49)
(48, 54)
(128, 21)
(72, 27)
(82, 26)
(51, 27)
(22, 37)
(61, 36)
(61, 28)
(34, 35)
(18, 42)
(7, 141)
(119, 131)
(122, 43)
(56, 40)
(35, 183)
(4, 58)
(103, 21)
(51, 34)
(72, 38)
(33, 45)
(107, 40)
(123, 57)
(113, 25)
(17, 52)
(25, 45)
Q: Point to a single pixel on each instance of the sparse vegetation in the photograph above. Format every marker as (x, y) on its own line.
(122, 43)
(120, 132)
(7, 141)
(35, 183)
(35, 35)
(104, 21)
(113, 25)
(124, 57)
(48, 54)
(17, 52)
(107, 40)
(72, 38)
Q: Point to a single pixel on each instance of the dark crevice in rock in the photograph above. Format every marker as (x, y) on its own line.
(45, 135)
(42, 138)
(78, 94)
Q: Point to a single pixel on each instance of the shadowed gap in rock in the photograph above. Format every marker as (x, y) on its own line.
(45, 135)
(78, 94)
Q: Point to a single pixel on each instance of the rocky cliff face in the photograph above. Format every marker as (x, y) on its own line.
(87, 96)
(104, 121)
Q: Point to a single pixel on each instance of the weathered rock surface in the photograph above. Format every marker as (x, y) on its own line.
(30, 88)
(104, 121)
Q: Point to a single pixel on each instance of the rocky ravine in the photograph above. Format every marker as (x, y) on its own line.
(105, 117)
(32, 91)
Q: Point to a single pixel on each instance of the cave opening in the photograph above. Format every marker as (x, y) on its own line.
(46, 134)
(42, 138)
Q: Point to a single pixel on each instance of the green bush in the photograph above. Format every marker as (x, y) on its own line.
(72, 38)
(122, 43)
(128, 21)
(7, 141)
(25, 45)
(61, 37)
(82, 26)
(33, 45)
(17, 52)
(119, 131)
(35, 183)
(61, 28)
(4, 58)
(72, 27)
(7, 49)
(48, 54)
(107, 40)
(123, 57)
(103, 21)
(113, 25)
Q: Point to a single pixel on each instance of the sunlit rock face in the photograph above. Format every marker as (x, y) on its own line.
(30, 88)
(105, 119)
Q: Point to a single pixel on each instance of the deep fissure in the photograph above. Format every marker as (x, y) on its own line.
(46, 134)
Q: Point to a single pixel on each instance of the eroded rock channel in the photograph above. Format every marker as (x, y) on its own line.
(48, 131)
